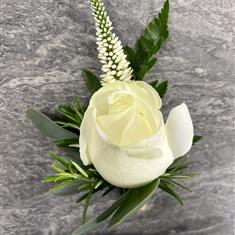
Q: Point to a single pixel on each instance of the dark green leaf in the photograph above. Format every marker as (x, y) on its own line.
(146, 68)
(154, 84)
(170, 191)
(172, 182)
(132, 58)
(48, 127)
(87, 203)
(196, 138)
(149, 44)
(110, 189)
(93, 83)
(135, 199)
(162, 88)
(178, 162)
(178, 168)
(69, 114)
(85, 187)
(82, 198)
(100, 218)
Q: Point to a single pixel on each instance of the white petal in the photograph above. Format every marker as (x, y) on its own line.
(85, 139)
(130, 167)
(148, 94)
(179, 128)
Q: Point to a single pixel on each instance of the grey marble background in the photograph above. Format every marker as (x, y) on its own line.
(46, 43)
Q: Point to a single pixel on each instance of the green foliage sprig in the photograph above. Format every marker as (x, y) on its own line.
(150, 42)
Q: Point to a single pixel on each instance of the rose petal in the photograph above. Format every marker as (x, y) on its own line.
(86, 130)
(148, 93)
(179, 129)
(129, 171)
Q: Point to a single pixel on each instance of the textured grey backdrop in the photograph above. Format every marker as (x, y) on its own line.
(46, 43)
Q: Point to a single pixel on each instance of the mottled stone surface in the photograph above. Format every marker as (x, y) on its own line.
(46, 43)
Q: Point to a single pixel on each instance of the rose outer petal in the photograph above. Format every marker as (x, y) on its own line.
(179, 129)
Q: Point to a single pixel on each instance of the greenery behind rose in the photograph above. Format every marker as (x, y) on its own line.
(71, 176)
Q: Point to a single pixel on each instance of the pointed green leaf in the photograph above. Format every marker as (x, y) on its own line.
(149, 43)
(172, 182)
(130, 52)
(100, 218)
(59, 159)
(79, 169)
(146, 68)
(48, 127)
(65, 188)
(196, 139)
(169, 190)
(154, 84)
(135, 199)
(110, 189)
(162, 88)
(49, 179)
(87, 203)
(82, 198)
(93, 83)
(69, 114)
(179, 164)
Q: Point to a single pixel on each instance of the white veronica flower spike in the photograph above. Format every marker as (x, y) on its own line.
(115, 65)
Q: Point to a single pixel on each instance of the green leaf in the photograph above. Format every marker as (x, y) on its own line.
(179, 164)
(172, 182)
(100, 218)
(68, 125)
(162, 88)
(59, 159)
(87, 203)
(72, 154)
(92, 82)
(69, 114)
(49, 179)
(82, 198)
(181, 176)
(165, 187)
(130, 52)
(79, 169)
(135, 199)
(110, 189)
(56, 168)
(146, 68)
(48, 127)
(149, 43)
(65, 188)
(196, 139)
(154, 84)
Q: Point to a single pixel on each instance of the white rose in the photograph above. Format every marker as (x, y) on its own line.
(124, 136)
